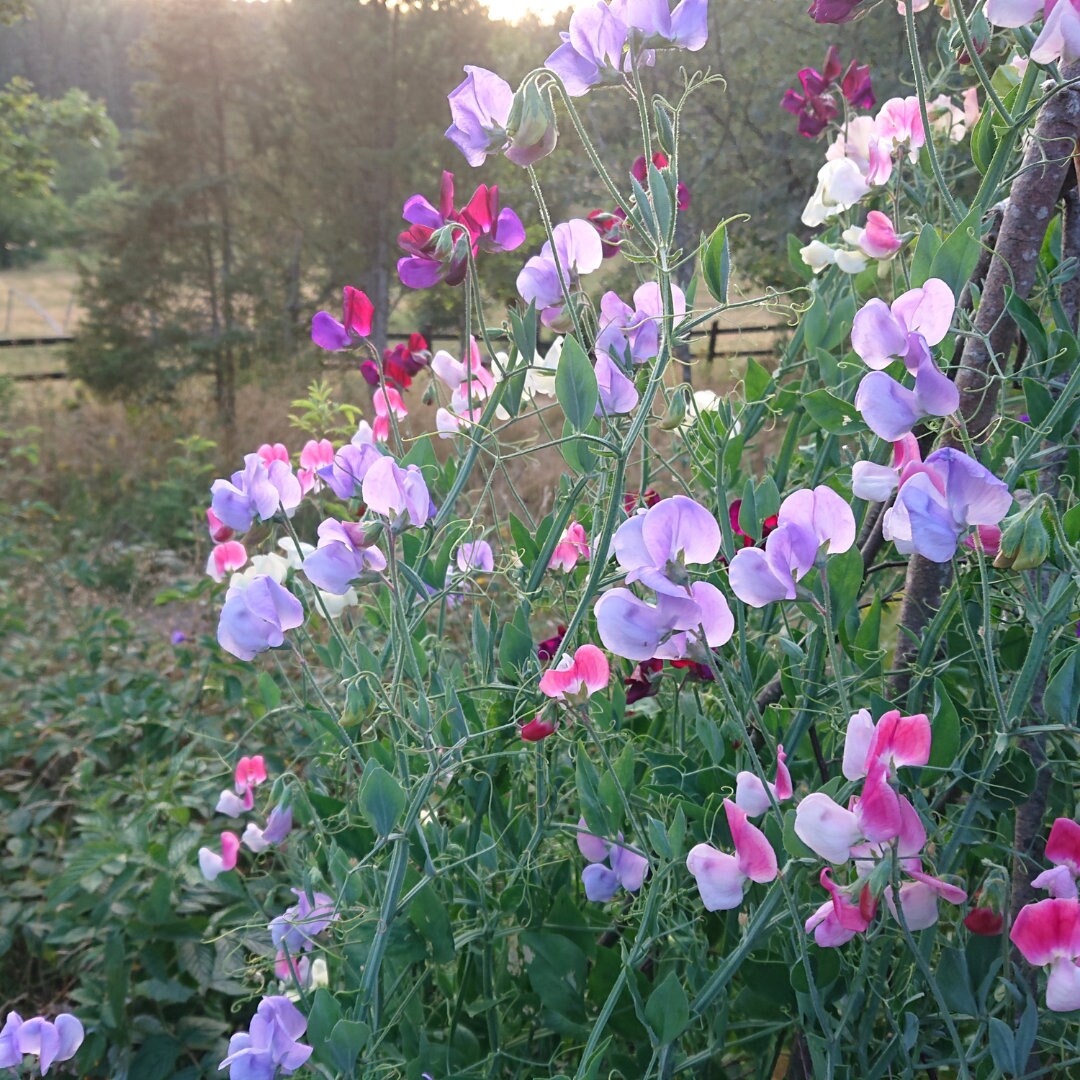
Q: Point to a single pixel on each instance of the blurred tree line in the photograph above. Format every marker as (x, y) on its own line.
(268, 149)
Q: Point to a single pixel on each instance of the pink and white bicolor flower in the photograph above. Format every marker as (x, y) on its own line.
(1048, 935)
(893, 741)
(576, 678)
(572, 546)
(808, 519)
(1060, 36)
(226, 558)
(880, 334)
(470, 384)
(755, 796)
(1063, 850)
(840, 918)
(386, 400)
(212, 864)
(250, 772)
(721, 877)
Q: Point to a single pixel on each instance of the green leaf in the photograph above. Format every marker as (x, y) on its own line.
(661, 200)
(155, 1059)
(428, 914)
(795, 259)
(268, 691)
(516, 644)
(324, 1014)
(955, 982)
(716, 263)
(523, 332)
(956, 258)
(833, 414)
(868, 637)
(767, 497)
(1030, 325)
(845, 575)
(748, 515)
(667, 1011)
(1071, 524)
(757, 382)
(575, 384)
(946, 729)
(588, 789)
(523, 539)
(382, 799)
(1002, 1048)
(926, 247)
(347, 1039)
(1038, 401)
(1062, 696)
(576, 452)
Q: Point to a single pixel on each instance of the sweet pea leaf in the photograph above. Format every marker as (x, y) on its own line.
(1002, 1047)
(1030, 325)
(926, 247)
(946, 729)
(833, 414)
(716, 263)
(347, 1039)
(575, 384)
(1062, 696)
(667, 1011)
(382, 799)
(959, 253)
(757, 382)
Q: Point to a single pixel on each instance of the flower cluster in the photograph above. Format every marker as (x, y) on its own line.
(293, 933)
(816, 106)
(270, 1043)
(47, 1040)
(626, 869)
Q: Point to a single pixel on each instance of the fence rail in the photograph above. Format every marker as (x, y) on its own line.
(715, 334)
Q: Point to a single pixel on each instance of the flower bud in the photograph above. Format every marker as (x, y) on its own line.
(531, 125)
(1025, 539)
(675, 416)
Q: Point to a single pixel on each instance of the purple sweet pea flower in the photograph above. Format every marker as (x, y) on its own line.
(617, 393)
(342, 558)
(260, 490)
(917, 320)
(350, 465)
(592, 52)
(687, 27)
(358, 313)
(833, 11)
(278, 826)
(484, 120)
(807, 520)
(656, 546)
(628, 869)
(49, 1041)
(271, 1042)
(939, 500)
(298, 926)
(396, 493)
(633, 333)
(579, 252)
(668, 629)
(255, 616)
(475, 556)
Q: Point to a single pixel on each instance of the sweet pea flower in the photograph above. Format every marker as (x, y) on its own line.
(1047, 934)
(344, 556)
(538, 729)
(472, 557)
(256, 615)
(667, 630)
(1060, 36)
(396, 493)
(250, 772)
(918, 899)
(278, 826)
(578, 251)
(632, 334)
(899, 122)
(358, 313)
(893, 741)
(628, 869)
(399, 364)
(862, 144)
(639, 170)
(684, 27)
(592, 52)
(951, 120)
(876, 483)
(271, 1042)
(470, 385)
(271, 452)
(576, 678)
(297, 927)
(260, 490)
(833, 11)
(721, 878)
(48, 1040)
(617, 394)
(218, 530)
(807, 520)
(939, 500)
(877, 239)
(754, 796)
(840, 185)
(840, 918)
(482, 110)
(386, 401)
(572, 546)
(917, 320)
(212, 864)
(351, 462)
(984, 921)
(656, 546)
(815, 107)
(225, 559)
(1063, 850)
(313, 457)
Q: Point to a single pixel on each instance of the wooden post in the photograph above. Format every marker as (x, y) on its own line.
(714, 333)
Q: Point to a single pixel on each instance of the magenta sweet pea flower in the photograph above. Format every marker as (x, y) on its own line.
(212, 864)
(396, 493)
(271, 1042)
(343, 557)
(47, 1040)
(313, 457)
(357, 315)
(255, 616)
(260, 490)
(840, 918)
(538, 729)
(576, 678)
(815, 106)
(572, 546)
(754, 795)
(939, 500)
(627, 869)
(579, 252)
(1063, 850)
(856, 86)
(917, 320)
(806, 521)
(833, 11)
(877, 239)
(1048, 935)
(721, 878)
(1060, 35)
(893, 741)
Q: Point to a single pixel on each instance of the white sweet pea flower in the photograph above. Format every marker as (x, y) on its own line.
(840, 186)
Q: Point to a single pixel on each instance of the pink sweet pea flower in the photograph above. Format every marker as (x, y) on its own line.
(576, 678)
(807, 520)
(1060, 36)
(396, 493)
(225, 558)
(250, 773)
(876, 483)
(632, 334)
(386, 401)
(893, 741)
(1048, 935)
(919, 898)
(211, 863)
(900, 122)
(538, 729)
(572, 546)
(752, 794)
(470, 384)
(358, 313)
(878, 239)
(271, 452)
(628, 869)
(314, 456)
(840, 918)
(1063, 850)
(721, 878)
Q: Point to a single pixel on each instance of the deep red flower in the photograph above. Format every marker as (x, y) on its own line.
(984, 921)
(547, 649)
(537, 729)
(609, 226)
(632, 499)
